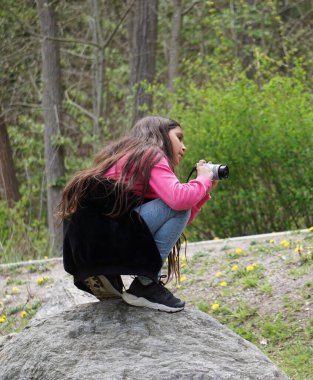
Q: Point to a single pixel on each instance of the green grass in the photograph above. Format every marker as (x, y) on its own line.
(251, 306)
(203, 306)
(299, 271)
(266, 288)
(288, 343)
(14, 321)
(295, 360)
(19, 301)
(276, 329)
(14, 281)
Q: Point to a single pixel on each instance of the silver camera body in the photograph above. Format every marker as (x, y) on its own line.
(219, 171)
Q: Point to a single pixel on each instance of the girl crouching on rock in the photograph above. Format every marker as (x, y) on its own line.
(125, 215)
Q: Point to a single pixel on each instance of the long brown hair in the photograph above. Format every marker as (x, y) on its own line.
(145, 144)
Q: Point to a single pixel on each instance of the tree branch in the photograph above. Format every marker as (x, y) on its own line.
(288, 7)
(86, 57)
(292, 28)
(79, 107)
(69, 41)
(190, 8)
(109, 39)
(28, 105)
(88, 43)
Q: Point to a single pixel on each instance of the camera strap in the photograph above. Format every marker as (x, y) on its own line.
(190, 174)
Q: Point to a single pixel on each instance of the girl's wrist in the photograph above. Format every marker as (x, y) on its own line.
(206, 180)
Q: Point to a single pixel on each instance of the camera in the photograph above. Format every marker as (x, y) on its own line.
(219, 171)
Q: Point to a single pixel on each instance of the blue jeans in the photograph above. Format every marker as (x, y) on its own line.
(165, 224)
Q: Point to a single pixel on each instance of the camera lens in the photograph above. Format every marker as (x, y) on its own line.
(223, 172)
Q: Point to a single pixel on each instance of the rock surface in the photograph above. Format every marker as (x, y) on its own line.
(111, 341)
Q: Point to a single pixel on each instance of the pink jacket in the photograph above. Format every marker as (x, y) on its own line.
(165, 185)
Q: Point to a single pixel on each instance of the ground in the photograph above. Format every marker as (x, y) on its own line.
(261, 287)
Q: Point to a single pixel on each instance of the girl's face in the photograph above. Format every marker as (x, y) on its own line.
(176, 136)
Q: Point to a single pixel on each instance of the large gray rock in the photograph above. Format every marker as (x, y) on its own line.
(111, 341)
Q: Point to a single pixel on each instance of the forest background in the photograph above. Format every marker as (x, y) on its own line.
(236, 74)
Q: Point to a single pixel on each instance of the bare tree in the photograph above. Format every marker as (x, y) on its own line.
(8, 179)
(52, 100)
(102, 40)
(143, 37)
(248, 42)
(98, 70)
(174, 44)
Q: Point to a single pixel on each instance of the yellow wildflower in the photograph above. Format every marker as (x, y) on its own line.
(179, 286)
(218, 274)
(45, 257)
(238, 250)
(299, 249)
(223, 283)
(3, 318)
(40, 281)
(183, 265)
(216, 238)
(1, 303)
(249, 268)
(234, 268)
(272, 241)
(311, 229)
(23, 314)
(183, 278)
(15, 289)
(215, 306)
(285, 243)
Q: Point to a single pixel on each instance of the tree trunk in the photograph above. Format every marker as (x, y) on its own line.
(98, 73)
(143, 29)
(174, 44)
(248, 43)
(52, 99)
(8, 179)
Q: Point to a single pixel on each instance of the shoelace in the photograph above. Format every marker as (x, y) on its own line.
(162, 285)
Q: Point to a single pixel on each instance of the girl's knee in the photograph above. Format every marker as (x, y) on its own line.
(184, 213)
(180, 213)
(158, 206)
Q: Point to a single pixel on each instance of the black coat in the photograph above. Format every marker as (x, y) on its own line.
(96, 244)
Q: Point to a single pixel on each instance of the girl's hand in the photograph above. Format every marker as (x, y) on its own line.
(214, 183)
(203, 170)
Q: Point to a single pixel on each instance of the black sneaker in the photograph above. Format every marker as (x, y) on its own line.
(104, 287)
(154, 296)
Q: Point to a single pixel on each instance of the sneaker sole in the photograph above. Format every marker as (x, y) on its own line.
(101, 287)
(140, 301)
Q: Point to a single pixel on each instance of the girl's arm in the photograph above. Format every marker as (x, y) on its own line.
(179, 196)
(196, 209)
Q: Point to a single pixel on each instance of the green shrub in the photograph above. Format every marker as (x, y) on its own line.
(263, 132)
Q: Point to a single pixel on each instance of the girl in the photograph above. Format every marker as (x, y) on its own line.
(125, 214)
